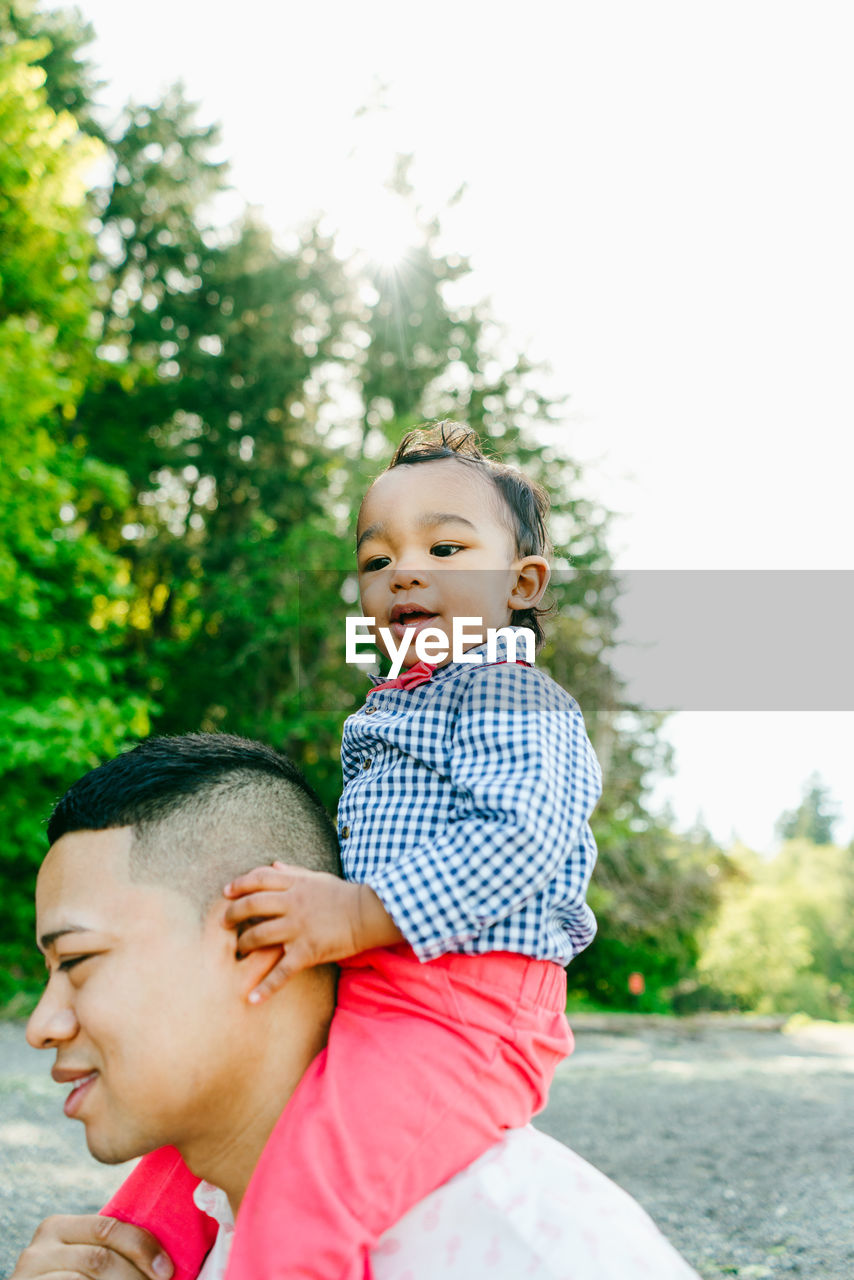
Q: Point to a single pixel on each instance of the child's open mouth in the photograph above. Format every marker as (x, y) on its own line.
(410, 618)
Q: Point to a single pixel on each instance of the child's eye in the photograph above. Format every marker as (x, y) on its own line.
(445, 549)
(375, 563)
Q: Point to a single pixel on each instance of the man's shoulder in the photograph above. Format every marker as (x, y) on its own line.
(528, 1206)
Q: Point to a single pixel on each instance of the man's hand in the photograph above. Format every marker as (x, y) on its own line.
(314, 917)
(92, 1247)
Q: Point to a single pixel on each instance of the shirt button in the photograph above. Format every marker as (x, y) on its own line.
(345, 832)
(370, 711)
(366, 763)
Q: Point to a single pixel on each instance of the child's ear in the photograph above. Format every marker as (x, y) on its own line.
(532, 578)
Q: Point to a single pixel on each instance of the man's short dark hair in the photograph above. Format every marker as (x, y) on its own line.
(204, 807)
(524, 504)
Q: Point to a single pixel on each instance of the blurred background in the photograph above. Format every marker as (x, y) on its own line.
(243, 250)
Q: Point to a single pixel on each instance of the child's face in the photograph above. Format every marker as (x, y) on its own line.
(433, 546)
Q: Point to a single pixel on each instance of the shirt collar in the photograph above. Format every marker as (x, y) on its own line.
(451, 668)
(214, 1202)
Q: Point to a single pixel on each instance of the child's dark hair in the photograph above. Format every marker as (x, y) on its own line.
(525, 502)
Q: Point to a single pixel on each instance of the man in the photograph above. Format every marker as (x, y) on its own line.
(147, 1009)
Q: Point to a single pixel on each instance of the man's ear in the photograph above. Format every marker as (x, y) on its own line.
(532, 578)
(254, 967)
(244, 971)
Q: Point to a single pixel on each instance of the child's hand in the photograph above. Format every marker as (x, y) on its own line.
(314, 917)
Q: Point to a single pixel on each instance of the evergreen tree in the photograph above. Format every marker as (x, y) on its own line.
(61, 35)
(814, 818)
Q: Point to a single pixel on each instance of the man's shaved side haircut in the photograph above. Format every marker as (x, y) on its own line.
(204, 808)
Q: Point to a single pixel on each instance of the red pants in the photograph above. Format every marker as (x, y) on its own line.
(426, 1064)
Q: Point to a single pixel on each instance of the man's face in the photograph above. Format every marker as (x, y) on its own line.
(433, 546)
(137, 1001)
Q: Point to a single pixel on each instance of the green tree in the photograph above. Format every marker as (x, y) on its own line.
(209, 391)
(783, 940)
(814, 818)
(59, 588)
(61, 35)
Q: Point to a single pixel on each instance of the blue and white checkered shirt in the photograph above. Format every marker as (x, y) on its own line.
(465, 808)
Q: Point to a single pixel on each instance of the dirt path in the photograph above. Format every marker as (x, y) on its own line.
(738, 1141)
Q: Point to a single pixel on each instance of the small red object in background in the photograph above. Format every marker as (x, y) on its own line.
(637, 986)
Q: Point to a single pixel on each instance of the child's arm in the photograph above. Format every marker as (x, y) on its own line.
(525, 780)
(315, 918)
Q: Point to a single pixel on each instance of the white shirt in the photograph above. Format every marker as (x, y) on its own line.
(529, 1207)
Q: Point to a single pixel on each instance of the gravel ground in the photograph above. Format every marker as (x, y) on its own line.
(737, 1140)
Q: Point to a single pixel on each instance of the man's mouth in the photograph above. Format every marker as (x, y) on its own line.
(81, 1085)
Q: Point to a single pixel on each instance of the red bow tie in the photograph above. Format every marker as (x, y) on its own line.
(419, 674)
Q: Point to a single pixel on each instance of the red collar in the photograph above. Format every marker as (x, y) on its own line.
(419, 674)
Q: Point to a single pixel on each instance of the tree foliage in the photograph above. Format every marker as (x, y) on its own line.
(192, 414)
(62, 705)
(814, 818)
(62, 36)
(655, 891)
(784, 938)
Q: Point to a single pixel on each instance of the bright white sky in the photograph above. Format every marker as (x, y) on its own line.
(659, 202)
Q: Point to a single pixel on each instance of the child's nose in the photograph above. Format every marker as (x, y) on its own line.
(409, 573)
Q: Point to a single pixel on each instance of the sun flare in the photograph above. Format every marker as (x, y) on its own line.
(383, 229)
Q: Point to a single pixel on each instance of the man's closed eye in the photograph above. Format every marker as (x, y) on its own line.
(71, 961)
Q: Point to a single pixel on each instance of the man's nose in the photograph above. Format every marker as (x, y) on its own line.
(53, 1021)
